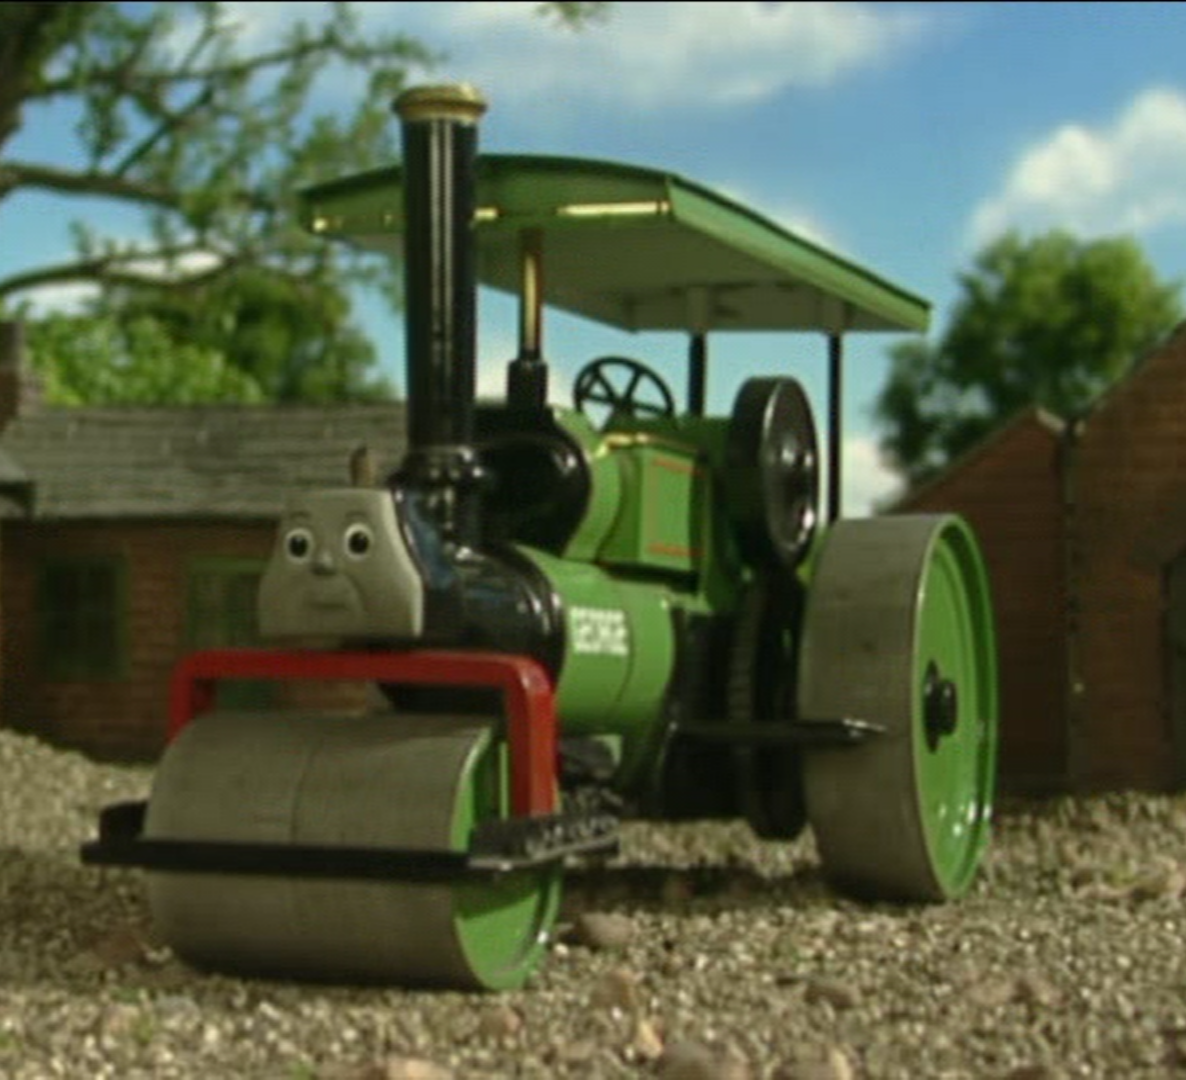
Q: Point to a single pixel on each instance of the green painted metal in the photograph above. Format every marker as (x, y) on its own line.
(658, 526)
(501, 923)
(619, 654)
(956, 774)
(698, 260)
(605, 477)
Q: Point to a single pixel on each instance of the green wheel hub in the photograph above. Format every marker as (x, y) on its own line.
(899, 632)
(388, 781)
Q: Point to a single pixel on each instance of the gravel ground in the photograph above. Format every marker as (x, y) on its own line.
(700, 953)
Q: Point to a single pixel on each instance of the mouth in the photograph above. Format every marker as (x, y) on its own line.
(332, 596)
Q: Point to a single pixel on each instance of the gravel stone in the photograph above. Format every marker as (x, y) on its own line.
(693, 1061)
(617, 989)
(500, 1022)
(832, 1063)
(604, 931)
(732, 957)
(837, 994)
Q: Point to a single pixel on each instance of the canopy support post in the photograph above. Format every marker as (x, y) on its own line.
(527, 375)
(697, 371)
(835, 434)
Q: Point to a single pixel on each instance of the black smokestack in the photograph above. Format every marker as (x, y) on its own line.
(440, 155)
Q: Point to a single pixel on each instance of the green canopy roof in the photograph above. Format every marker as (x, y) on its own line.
(635, 248)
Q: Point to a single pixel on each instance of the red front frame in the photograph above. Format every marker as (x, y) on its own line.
(528, 692)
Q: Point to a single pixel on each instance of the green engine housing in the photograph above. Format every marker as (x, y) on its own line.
(652, 553)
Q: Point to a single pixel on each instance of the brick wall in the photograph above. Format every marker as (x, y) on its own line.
(1130, 466)
(1010, 491)
(123, 717)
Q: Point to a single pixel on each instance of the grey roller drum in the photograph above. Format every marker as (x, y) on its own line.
(385, 781)
(898, 632)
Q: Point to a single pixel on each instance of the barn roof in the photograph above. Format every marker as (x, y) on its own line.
(235, 462)
(1029, 417)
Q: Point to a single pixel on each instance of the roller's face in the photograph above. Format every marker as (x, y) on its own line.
(330, 555)
(340, 568)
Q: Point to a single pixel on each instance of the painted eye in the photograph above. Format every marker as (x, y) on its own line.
(359, 539)
(298, 545)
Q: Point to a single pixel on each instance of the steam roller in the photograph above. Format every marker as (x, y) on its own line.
(571, 615)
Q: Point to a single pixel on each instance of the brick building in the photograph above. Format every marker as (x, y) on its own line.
(1084, 531)
(130, 536)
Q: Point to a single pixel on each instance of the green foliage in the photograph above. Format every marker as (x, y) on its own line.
(1052, 321)
(105, 360)
(291, 341)
(576, 16)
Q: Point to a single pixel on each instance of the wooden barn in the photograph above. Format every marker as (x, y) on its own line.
(1084, 530)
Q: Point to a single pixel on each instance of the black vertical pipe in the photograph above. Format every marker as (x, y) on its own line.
(439, 169)
(697, 372)
(835, 434)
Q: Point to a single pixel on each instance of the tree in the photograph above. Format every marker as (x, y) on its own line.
(209, 139)
(1050, 321)
(103, 360)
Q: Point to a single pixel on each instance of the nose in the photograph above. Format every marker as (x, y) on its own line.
(323, 563)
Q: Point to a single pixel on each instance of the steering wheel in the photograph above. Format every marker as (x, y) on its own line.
(625, 386)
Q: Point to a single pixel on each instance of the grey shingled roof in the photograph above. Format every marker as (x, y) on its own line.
(202, 461)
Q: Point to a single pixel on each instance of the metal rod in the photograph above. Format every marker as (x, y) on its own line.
(697, 372)
(527, 375)
(835, 434)
(531, 253)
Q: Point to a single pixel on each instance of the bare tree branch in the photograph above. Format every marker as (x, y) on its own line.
(26, 31)
(154, 81)
(123, 268)
(18, 174)
(170, 124)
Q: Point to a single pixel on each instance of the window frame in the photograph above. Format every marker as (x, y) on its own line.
(60, 661)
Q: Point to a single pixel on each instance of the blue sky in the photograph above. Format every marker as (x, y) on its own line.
(903, 136)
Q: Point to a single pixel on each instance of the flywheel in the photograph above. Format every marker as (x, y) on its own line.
(386, 781)
(772, 472)
(898, 633)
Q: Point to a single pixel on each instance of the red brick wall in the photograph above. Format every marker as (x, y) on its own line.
(1009, 490)
(125, 717)
(1129, 466)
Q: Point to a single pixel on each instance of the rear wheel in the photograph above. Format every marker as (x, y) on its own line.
(899, 632)
(388, 781)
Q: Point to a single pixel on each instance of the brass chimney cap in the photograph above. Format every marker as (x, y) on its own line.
(459, 102)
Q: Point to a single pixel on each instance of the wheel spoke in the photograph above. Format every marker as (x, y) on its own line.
(596, 385)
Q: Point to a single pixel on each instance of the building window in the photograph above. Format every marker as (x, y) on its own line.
(222, 614)
(80, 614)
(222, 596)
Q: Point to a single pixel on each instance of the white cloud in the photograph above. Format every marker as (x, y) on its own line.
(494, 353)
(866, 483)
(1125, 177)
(797, 219)
(652, 54)
(66, 299)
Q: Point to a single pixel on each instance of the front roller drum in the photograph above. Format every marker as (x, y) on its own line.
(388, 781)
(898, 632)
